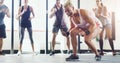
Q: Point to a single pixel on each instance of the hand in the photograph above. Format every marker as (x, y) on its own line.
(30, 18)
(4, 11)
(54, 10)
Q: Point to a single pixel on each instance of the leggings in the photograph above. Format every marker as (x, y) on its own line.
(29, 29)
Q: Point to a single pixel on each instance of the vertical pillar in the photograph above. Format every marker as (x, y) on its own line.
(12, 29)
(46, 26)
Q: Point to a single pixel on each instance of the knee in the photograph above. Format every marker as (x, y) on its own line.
(87, 40)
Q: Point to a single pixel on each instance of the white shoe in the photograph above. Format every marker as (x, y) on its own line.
(34, 53)
(19, 53)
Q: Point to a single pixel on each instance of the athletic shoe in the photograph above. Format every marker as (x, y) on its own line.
(52, 53)
(19, 53)
(69, 52)
(98, 58)
(1, 53)
(34, 53)
(72, 57)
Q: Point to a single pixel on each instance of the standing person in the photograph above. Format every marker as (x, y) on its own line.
(24, 12)
(84, 23)
(103, 15)
(58, 11)
(3, 11)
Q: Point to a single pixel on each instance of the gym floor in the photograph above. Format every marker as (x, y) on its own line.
(57, 58)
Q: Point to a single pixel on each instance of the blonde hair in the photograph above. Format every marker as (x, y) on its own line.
(68, 3)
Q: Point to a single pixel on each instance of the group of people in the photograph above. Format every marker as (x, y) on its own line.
(24, 16)
(82, 22)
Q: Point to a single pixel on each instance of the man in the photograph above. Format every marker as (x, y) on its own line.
(103, 15)
(84, 23)
(58, 11)
(24, 12)
(3, 11)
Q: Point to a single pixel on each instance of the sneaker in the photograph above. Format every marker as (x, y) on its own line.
(1, 53)
(19, 53)
(102, 53)
(69, 52)
(114, 53)
(52, 53)
(34, 53)
(72, 57)
(98, 58)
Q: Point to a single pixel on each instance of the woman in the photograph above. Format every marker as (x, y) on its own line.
(103, 15)
(84, 23)
(24, 12)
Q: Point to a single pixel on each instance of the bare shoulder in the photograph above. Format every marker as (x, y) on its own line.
(84, 12)
(31, 8)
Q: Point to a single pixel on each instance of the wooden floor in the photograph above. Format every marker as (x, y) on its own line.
(58, 58)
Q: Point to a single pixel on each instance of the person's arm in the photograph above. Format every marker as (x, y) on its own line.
(20, 13)
(33, 14)
(71, 24)
(52, 13)
(90, 20)
(105, 13)
(7, 13)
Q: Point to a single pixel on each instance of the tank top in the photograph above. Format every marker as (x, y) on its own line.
(2, 14)
(59, 16)
(25, 22)
(84, 24)
(103, 20)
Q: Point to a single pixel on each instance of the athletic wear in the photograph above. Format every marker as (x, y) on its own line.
(84, 24)
(2, 31)
(1, 53)
(60, 20)
(29, 29)
(72, 57)
(105, 21)
(98, 58)
(2, 14)
(25, 22)
(2, 25)
(52, 53)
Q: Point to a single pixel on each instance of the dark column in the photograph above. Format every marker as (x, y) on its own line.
(79, 35)
(12, 29)
(46, 26)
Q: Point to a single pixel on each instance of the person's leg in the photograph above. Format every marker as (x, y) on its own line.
(66, 34)
(109, 36)
(54, 41)
(101, 42)
(74, 32)
(88, 41)
(2, 36)
(1, 44)
(55, 31)
(21, 38)
(31, 38)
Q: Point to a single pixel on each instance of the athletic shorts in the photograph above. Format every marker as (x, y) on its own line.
(2, 31)
(56, 29)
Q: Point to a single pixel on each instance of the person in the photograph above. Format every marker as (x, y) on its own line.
(58, 11)
(103, 15)
(24, 12)
(84, 23)
(3, 11)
